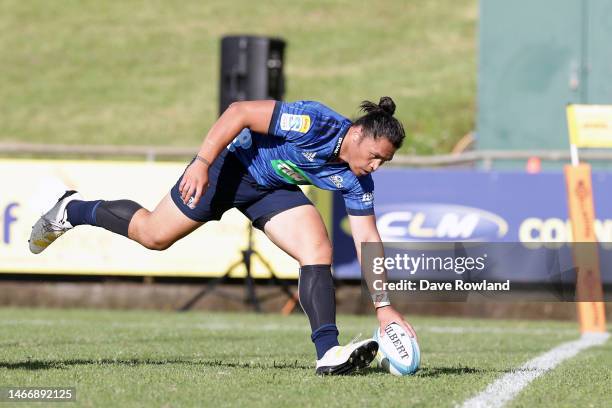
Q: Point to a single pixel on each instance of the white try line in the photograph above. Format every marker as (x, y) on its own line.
(507, 387)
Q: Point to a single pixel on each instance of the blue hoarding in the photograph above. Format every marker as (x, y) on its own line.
(471, 205)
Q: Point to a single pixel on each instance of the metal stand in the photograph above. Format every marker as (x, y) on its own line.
(251, 297)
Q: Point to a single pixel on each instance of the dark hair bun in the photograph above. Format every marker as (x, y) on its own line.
(387, 105)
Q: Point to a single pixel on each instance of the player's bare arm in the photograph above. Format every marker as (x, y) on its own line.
(364, 230)
(254, 115)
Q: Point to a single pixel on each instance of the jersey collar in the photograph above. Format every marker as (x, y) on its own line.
(336, 151)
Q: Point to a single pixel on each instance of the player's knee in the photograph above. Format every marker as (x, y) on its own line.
(157, 242)
(145, 232)
(318, 254)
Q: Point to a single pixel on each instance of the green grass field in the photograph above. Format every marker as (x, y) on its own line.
(119, 358)
(146, 72)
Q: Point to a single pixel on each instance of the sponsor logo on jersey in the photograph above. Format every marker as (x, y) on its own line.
(297, 123)
(367, 197)
(291, 173)
(337, 148)
(243, 141)
(310, 156)
(337, 180)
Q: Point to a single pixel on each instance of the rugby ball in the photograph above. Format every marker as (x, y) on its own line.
(398, 352)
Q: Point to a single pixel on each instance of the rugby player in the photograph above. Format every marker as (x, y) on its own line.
(253, 159)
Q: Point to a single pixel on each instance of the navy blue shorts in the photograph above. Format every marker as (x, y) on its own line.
(231, 186)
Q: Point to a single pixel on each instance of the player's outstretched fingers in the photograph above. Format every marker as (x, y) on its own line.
(190, 192)
(408, 328)
(198, 194)
(184, 188)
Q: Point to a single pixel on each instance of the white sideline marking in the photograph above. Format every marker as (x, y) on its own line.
(507, 387)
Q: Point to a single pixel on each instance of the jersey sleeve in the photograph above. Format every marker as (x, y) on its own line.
(303, 122)
(359, 200)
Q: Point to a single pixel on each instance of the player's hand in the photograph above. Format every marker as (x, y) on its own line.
(194, 183)
(387, 315)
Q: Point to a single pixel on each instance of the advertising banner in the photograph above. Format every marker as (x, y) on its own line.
(474, 206)
(30, 187)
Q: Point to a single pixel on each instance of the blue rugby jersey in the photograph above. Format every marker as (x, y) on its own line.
(303, 139)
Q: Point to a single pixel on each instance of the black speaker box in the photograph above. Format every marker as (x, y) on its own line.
(251, 69)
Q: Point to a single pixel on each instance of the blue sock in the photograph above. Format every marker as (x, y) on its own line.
(324, 338)
(82, 212)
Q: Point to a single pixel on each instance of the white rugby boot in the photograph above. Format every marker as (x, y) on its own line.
(340, 360)
(53, 224)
